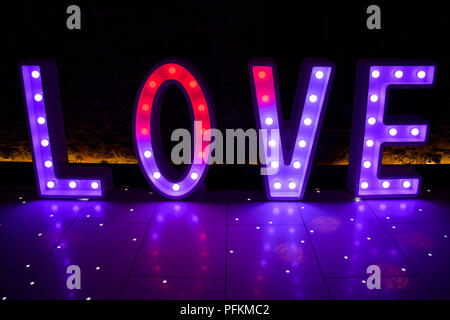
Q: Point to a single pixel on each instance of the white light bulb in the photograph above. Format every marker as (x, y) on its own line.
(393, 132)
(319, 75)
(94, 185)
(292, 185)
(386, 184)
(369, 143)
(297, 164)
(367, 164)
(48, 164)
(371, 121)
(302, 143)
(35, 74)
(274, 164)
(268, 121)
(374, 98)
(194, 175)
(421, 74)
(312, 98)
(414, 131)
(156, 175)
(277, 185)
(398, 74)
(364, 185)
(50, 184)
(375, 74)
(406, 184)
(176, 187)
(147, 154)
(72, 184)
(272, 143)
(38, 97)
(307, 121)
(41, 120)
(44, 142)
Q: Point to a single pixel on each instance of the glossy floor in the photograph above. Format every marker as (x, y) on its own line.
(224, 245)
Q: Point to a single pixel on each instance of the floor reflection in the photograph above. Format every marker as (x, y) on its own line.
(228, 245)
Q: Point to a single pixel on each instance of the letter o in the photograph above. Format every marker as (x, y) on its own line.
(146, 126)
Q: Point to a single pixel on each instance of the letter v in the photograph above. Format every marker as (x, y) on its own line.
(291, 147)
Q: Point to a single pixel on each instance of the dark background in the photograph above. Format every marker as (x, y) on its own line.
(101, 67)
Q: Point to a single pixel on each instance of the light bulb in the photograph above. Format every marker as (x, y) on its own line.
(421, 74)
(272, 143)
(375, 74)
(194, 175)
(393, 132)
(302, 143)
(369, 143)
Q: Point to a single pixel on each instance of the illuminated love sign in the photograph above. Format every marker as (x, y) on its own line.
(54, 178)
(286, 175)
(152, 160)
(291, 169)
(373, 128)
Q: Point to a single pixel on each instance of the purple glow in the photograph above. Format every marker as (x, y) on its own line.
(372, 130)
(54, 178)
(286, 175)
